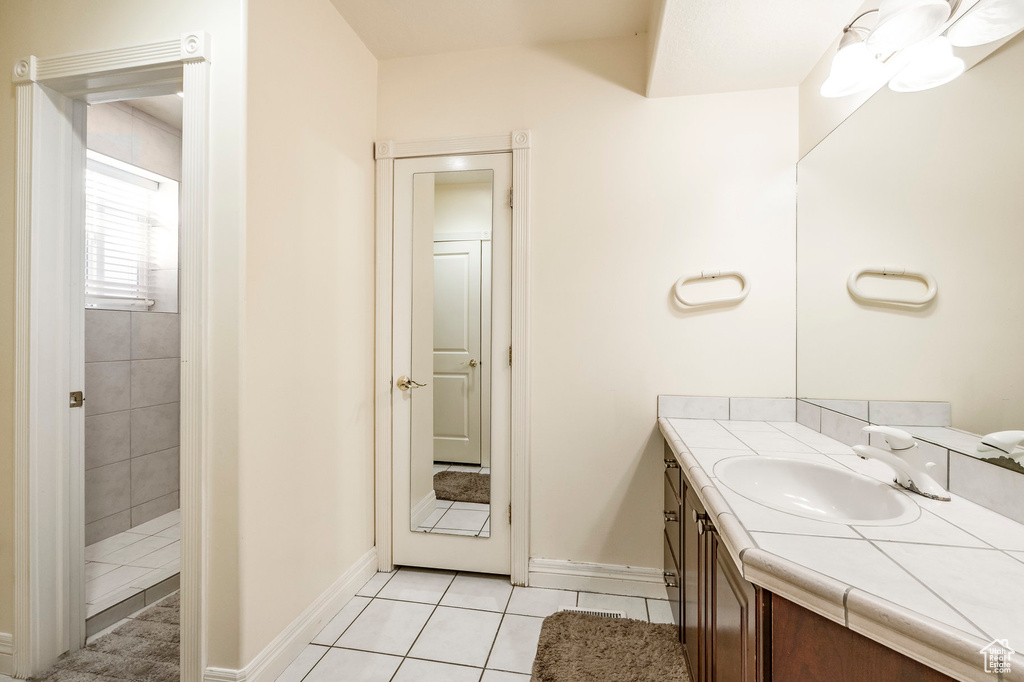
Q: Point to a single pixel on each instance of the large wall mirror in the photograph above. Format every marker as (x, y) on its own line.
(932, 182)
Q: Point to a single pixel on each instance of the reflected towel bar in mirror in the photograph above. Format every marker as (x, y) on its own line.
(887, 271)
(711, 274)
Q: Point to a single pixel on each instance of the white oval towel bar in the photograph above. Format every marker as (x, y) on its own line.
(888, 271)
(711, 274)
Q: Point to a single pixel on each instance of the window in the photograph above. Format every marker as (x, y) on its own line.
(131, 228)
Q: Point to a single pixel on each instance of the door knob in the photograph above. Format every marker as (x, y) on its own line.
(405, 383)
(473, 363)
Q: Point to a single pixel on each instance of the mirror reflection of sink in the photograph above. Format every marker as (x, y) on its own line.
(816, 491)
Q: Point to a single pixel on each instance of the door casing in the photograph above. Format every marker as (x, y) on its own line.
(49, 508)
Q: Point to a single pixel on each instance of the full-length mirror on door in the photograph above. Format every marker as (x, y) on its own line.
(450, 489)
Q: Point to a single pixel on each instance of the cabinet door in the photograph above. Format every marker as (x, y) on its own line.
(694, 581)
(733, 606)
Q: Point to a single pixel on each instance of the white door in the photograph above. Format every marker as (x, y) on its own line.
(417, 292)
(457, 358)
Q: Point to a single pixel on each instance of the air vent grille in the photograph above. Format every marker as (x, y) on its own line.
(594, 612)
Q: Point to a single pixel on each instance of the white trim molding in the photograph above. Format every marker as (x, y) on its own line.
(6, 653)
(631, 581)
(276, 656)
(385, 152)
(423, 509)
(164, 67)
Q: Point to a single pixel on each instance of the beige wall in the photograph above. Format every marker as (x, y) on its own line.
(306, 458)
(628, 195)
(462, 207)
(62, 26)
(929, 181)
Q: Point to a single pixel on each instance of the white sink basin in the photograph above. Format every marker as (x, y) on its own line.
(816, 491)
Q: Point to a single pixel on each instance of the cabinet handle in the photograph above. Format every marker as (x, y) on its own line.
(671, 516)
(670, 579)
(671, 464)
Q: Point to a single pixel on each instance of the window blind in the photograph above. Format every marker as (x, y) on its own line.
(119, 226)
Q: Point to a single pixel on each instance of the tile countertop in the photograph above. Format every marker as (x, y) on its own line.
(937, 589)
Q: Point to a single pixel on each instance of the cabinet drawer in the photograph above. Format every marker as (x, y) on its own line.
(673, 514)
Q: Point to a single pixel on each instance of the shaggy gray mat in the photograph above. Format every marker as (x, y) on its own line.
(462, 486)
(145, 649)
(575, 647)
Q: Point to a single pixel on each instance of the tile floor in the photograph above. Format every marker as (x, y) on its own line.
(126, 564)
(418, 625)
(459, 518)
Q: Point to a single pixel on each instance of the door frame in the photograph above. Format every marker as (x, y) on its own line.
(385, 152)
(48, 467)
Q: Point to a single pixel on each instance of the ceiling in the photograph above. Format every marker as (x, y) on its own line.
(699, 46)
(706, 46)
(166, 108)
(408, 28)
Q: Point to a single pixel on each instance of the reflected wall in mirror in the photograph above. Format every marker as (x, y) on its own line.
(931, 182)
(451, 343)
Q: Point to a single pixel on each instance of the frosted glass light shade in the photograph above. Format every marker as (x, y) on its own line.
(854, 68)
(902, 23)
(933, 66)
(986, 22)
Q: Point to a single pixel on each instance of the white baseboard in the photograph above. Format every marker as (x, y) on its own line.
(630, 581)
(276, 656)
(423, 509)
(6, 653)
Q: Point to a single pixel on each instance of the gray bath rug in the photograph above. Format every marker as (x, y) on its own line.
(145, 649)
(576, 647)
(462, 486)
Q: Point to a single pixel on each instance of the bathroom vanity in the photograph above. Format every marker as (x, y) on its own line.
(760, 594)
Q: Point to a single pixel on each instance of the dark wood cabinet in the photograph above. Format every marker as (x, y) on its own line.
(718, 614)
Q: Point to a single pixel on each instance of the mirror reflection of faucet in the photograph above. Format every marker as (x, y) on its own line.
(1003, 443)
(906, 459)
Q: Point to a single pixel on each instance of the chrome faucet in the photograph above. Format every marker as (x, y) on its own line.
(906, 459)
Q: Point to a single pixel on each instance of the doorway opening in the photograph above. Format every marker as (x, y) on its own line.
(132, 352)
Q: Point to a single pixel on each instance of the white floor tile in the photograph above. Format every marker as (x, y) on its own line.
(114, 580)
(414, 670)
(159, 523)
(101, 549)
(443, 504)
(354, 666)
(303, 663)
(485, 470)
(438, 468)
(416, 584)
(333, 630)
(502, 676)
(450, 531)
(516, 644)
(534, 601)
(635, 607)
(387, 627)
(160, 558)
(659, 611)
(457, 636)
(94, 569)
(110, 599)
(373, 585)
(467, 468)
(174, 532)
(433, 517)
(462, 519)
(137, 550)
(486, 592)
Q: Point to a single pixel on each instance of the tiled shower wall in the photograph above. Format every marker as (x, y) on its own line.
(132, 369)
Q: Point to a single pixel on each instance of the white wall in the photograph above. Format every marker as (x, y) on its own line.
(462, 207)
(60, 27)
(929, 181)
(628, 194)
(306, 451)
